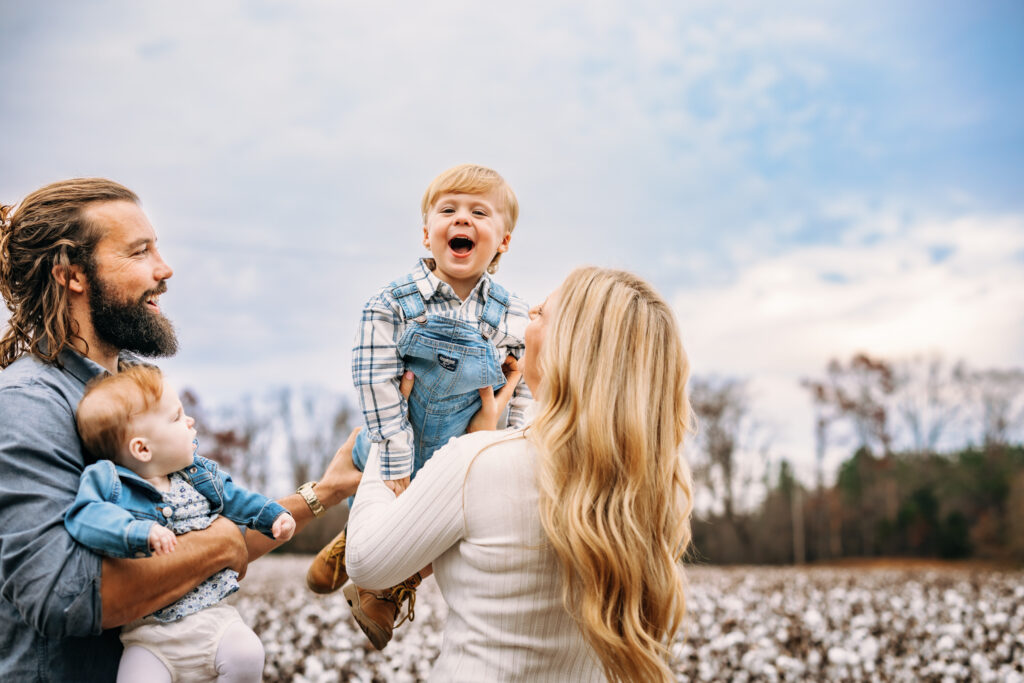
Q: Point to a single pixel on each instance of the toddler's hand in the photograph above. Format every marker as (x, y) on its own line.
(284, 527)
(398, 485)
(162, 540)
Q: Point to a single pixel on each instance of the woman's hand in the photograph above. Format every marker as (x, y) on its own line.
(398, 485)
(493, 405)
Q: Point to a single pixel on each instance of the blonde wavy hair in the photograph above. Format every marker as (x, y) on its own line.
(615, 491)
(48, 229)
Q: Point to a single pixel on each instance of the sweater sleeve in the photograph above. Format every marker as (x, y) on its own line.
(389, 538)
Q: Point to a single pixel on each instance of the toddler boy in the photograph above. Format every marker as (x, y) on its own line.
(147, 487)
(454, 327)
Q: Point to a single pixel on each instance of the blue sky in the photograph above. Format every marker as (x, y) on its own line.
(801, 182)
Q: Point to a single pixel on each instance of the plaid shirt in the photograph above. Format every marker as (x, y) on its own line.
(377, 366)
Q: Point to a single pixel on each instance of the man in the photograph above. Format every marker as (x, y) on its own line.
(82, 277)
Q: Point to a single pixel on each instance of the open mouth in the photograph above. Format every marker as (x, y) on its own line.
(153, 301)
(460, 245)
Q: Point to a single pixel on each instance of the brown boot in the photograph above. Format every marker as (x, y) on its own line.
(327, 573)
(376, 611)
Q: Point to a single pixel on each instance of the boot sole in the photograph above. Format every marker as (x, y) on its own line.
(377, 636)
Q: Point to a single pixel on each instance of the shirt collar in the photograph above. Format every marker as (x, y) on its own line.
(428, 283)
(84, 369)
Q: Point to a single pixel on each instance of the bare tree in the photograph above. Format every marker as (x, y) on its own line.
(859, 393)
(726, 431)
(996, 398)
(927, 399)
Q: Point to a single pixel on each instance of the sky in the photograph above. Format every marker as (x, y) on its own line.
(801, 181)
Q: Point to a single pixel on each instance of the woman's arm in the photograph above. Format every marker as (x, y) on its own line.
(389, 538)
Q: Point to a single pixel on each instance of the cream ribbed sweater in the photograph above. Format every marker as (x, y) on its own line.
(480, 527)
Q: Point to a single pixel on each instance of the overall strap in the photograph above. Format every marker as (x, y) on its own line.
(408, 296)
(494, 309)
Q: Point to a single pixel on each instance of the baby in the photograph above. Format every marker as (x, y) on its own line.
(456, 329)
(147, 487)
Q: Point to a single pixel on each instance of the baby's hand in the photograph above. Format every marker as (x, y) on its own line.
(398, 485)
(162, 540)
(284, 527)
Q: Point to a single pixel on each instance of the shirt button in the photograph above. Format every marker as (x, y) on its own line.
(193, 470)
(140, 554)
(167, 512)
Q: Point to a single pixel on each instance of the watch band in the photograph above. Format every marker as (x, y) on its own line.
(306, 491)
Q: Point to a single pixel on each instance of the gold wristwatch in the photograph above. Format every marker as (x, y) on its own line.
(306, 491)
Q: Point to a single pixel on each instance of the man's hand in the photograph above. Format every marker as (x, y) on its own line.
(493, 405)
(398, 485)
(283, 527)
(162, 540)
(341, 478)
(233, 539)
(133, 588)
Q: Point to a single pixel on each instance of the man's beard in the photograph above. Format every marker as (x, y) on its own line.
(129, 325)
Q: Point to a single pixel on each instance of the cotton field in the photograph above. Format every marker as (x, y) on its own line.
(744, 624)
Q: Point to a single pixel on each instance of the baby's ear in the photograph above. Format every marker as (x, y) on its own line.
(138, 448)
(503, 244)
(426, 237)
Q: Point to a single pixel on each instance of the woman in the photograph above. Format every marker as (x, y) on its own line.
(556, 547)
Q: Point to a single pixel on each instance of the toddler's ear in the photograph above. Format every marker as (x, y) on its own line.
(138, 448)
(426, 237)
(503, 245)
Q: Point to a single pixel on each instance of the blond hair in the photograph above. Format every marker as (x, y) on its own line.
(473, 179)
(615, 491)
(48, 229)
(109, 404)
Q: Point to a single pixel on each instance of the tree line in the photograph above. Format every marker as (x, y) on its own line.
(935, 467)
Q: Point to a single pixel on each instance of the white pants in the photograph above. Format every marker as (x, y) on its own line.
(213, 644)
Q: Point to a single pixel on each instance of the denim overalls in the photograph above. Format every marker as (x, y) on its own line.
(451, 359)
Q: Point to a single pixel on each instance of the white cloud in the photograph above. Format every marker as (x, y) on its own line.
(785, 315)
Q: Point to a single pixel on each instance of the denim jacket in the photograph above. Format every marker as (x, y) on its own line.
(115, 508)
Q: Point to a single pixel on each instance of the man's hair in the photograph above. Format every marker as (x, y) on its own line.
(615, 493)
(109, 404)
(473, 179)
(49, 228)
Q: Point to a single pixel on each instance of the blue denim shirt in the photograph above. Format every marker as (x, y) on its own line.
(49, 585)
(116, 508)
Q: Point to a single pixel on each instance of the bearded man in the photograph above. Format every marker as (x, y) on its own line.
(82, 277)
